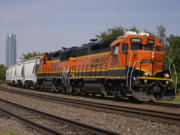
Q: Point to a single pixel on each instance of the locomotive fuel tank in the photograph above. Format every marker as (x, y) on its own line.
(94, 88)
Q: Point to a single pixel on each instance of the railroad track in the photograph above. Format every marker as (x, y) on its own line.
(168, 105)
(48, 124)
(159, 116)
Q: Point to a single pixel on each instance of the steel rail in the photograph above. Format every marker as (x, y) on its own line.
(38, 127)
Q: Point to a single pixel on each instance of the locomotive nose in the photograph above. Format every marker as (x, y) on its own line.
(149, 62)
(144, 61)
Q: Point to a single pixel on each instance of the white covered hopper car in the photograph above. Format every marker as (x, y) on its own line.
(23, 74)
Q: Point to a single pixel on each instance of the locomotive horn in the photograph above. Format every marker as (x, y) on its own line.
(93, 40)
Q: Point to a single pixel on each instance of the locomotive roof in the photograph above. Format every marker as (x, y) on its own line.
(74, 48)
(101, 42)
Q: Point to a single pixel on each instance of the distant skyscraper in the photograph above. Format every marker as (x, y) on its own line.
(10, 50)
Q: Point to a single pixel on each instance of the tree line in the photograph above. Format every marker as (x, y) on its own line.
(2, 72)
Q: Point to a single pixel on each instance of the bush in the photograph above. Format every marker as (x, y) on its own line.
(178, 83)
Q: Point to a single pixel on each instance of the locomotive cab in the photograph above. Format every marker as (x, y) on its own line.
(142, 58)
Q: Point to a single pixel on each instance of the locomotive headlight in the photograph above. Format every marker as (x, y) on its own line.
(145, 81)
(166, 75)
(152, 54)
(167, 82)
(145, 74)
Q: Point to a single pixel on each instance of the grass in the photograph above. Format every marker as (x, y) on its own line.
(175, 101)
(12, 132)
(9, 133)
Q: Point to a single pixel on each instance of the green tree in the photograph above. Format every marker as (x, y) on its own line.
(115, 32)
(161, 34)
(2, 72)
(173, 52)
(133, 28)
(150, 33)
(30, 55)
(111, 33)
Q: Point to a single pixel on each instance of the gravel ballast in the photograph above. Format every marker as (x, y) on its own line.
(110, 102)
(10, 126)
(117, 123)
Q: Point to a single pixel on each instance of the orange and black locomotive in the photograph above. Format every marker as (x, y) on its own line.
(130, 66)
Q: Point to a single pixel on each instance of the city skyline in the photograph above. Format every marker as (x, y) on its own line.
(45, 26)
(10, 50)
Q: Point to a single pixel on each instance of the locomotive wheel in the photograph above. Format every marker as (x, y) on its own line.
(20, 85)
(73, 91)
(116, 97)
(158, 96)
(165, 95)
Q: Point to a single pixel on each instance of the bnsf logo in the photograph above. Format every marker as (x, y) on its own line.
(99, 60)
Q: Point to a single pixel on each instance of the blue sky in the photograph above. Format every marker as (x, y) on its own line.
(47, 25)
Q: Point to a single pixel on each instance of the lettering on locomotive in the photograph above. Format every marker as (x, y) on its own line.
(100, 60)
(115, 61)
(149, 61)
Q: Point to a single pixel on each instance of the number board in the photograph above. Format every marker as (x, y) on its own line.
(136, 40)
(150, 41)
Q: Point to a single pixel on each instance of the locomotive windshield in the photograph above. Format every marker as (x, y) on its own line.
(158, 48)
(148, 47)
(136, 47)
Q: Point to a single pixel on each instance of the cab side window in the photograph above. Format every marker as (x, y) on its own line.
(148, 47)
(136, 47)
(115, 50)
(125, 48)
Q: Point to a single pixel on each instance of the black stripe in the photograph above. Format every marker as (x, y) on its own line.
(114, 73)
